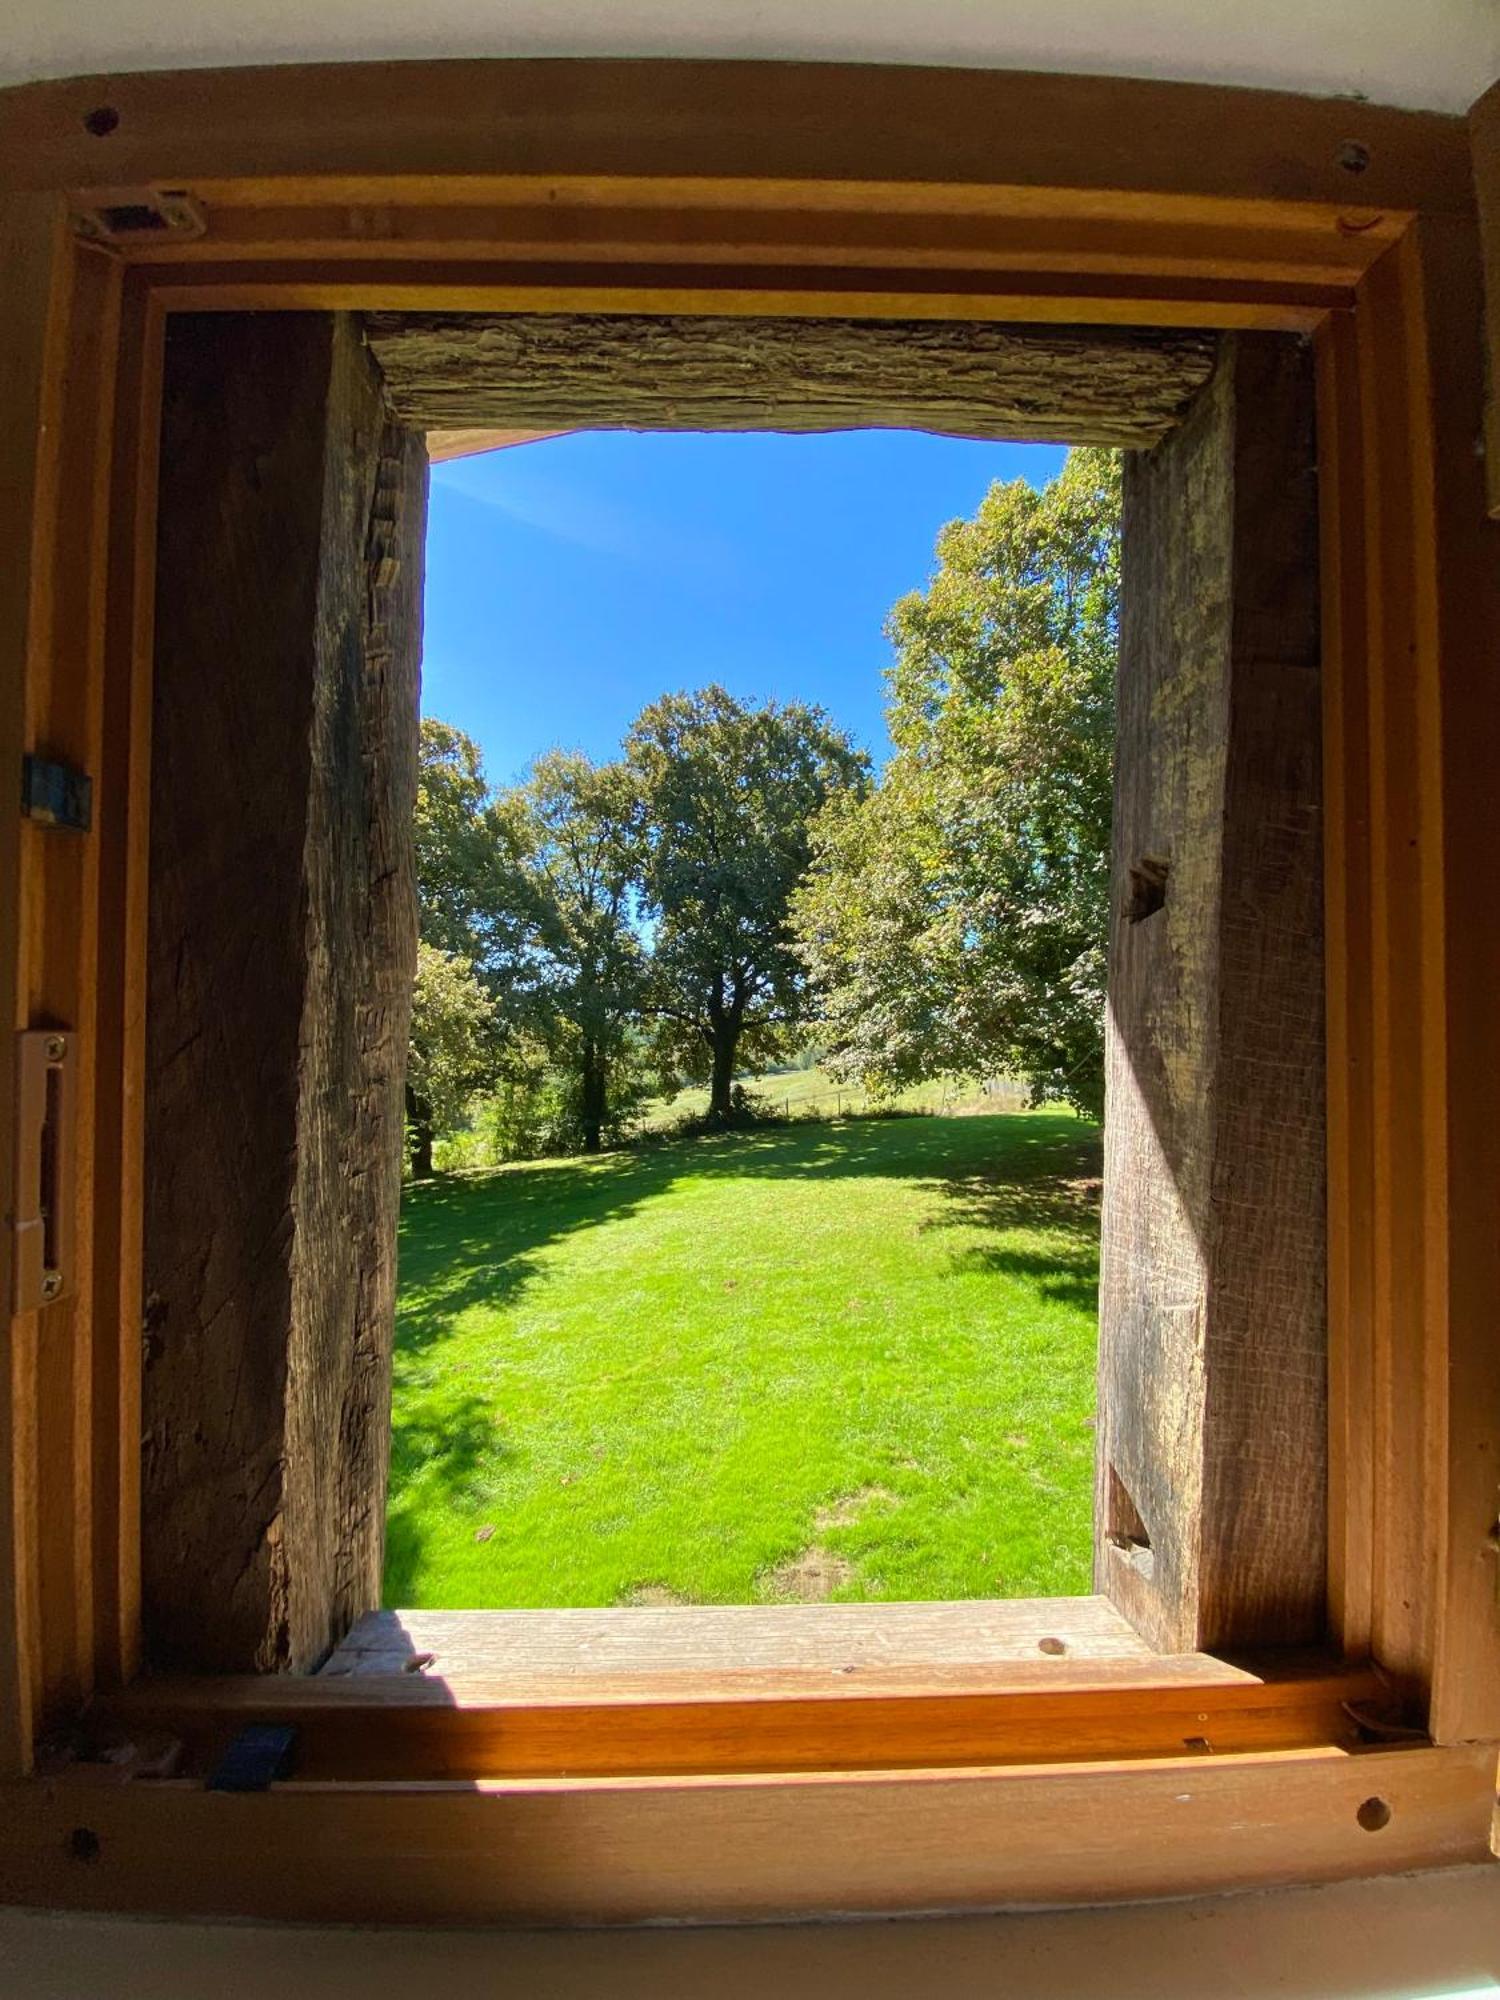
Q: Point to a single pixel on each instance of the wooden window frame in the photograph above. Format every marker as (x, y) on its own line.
(729, 188)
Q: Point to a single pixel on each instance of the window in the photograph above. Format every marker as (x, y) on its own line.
(1408, 1487)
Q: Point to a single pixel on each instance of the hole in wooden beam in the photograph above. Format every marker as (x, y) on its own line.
(1124, 1528)
(1148, 887)
(1374, 1815)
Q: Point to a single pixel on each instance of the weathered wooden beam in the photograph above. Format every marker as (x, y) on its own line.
(282, 932)
(1213, 1352)
(562, 371)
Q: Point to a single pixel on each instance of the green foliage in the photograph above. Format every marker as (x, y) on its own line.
(532, 895)
(522, 1117)
(453, 1035)
(955, 919)
(473, 897)
(584, 825)
(735, 880)
(728, 793)
(476, 911)
(862, 1351)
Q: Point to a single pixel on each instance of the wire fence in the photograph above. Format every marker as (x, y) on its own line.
(995, 1094)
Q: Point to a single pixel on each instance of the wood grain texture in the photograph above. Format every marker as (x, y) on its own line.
(806, 121)
(1401, 670)
(697, 223)
(732, 290)
(60, 980)
(638, 1850)
(60, 570)
(1213, 1452)
(282, 933)
(32, 252)
(424, 1726)
(717, 1637)
(123, 812)
(1458, 557)
(1347, 978)
(546, 372)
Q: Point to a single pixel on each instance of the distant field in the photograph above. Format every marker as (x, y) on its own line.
(849, 1360)
(813, 1093)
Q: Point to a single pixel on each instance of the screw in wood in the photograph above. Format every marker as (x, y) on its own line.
(57, 1047)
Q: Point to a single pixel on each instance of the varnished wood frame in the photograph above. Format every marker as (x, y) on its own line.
(747, 188)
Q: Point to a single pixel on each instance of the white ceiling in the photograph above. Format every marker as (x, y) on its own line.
(1430, 54)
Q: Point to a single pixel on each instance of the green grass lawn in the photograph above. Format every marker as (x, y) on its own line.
(852, 1360)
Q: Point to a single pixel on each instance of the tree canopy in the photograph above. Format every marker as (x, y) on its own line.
(453, 1040)
(728, 793)
(476, 912)
(955, 918)
(584, 822)
(735, 881)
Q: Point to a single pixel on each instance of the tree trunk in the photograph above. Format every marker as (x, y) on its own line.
(419, 1135)
(593, 1098)
(726, 1035)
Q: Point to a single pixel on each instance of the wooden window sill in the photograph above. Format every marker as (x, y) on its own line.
(711, 1637)
(648, 1693)
(701, 1764)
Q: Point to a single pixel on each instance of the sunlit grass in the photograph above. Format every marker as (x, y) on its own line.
(853, 1359)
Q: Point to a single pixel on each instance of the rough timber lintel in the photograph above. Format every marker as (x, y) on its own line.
(549, 372)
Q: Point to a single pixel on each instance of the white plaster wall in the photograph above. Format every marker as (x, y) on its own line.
(1430, 54)
(1433, 1937)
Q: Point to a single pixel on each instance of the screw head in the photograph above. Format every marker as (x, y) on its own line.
(57, 1047)
(52, 1284)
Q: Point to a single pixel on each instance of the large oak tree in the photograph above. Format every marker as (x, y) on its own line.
(728, 795)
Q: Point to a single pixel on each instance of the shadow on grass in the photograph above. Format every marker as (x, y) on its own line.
(445, 1449)
(1058, 1199)
(476, 1239)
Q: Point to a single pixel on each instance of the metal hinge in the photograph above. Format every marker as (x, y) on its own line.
(42, 1220)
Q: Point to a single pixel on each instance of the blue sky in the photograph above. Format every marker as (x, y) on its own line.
(572, 581)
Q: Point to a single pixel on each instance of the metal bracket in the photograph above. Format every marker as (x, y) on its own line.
(116, 218)
(43, 1269)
